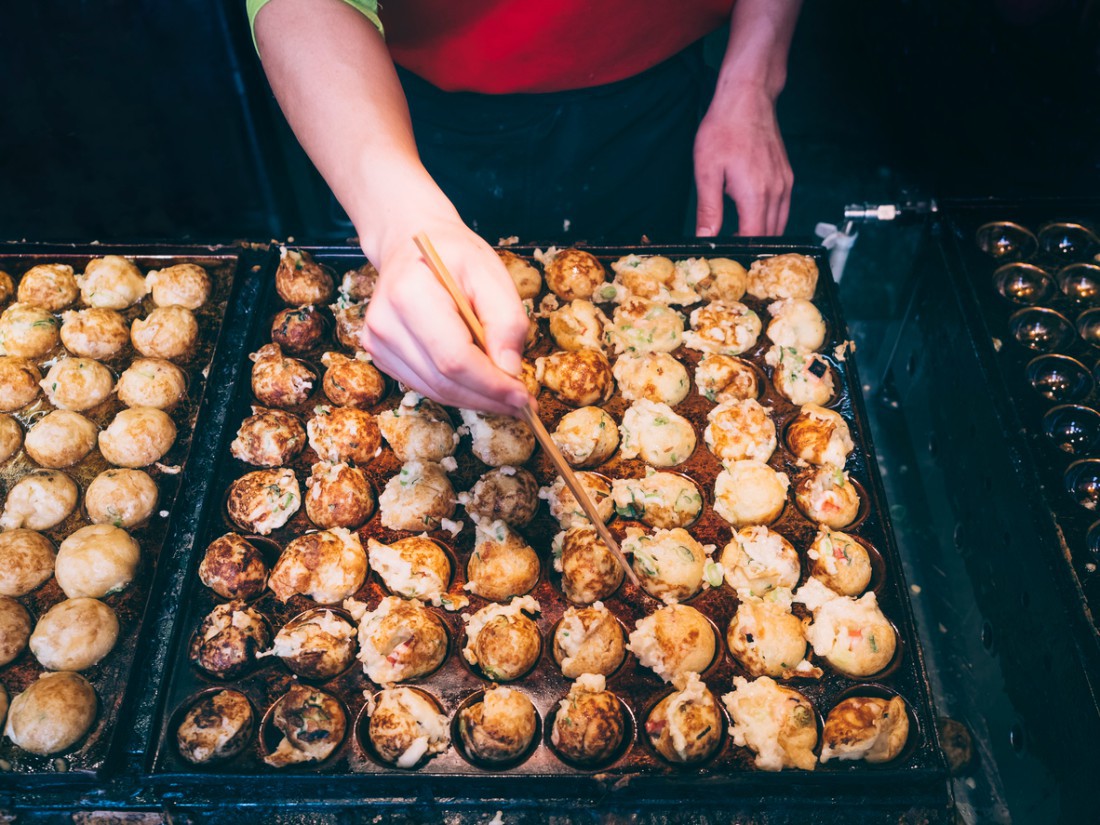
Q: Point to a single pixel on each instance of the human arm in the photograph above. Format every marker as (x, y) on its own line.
(738, 148)
(335, 82)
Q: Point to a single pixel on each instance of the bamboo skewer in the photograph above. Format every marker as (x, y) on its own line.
(528, 413)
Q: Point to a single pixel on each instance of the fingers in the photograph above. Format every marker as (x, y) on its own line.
(497, 304)
(709, 180)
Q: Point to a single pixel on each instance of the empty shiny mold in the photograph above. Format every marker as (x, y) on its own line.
(1088, 326)
(1082, 481)
(1080, 281)
(1059, 378)
(1023, 283)
(1073, 429)
(1006, 241)
(1067, 240)
(1042, 330)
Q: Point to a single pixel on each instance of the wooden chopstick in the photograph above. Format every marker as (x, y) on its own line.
(528, 413)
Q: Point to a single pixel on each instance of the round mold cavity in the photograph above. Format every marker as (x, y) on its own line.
(622, 629)
(1080, 281)
(1067, 240)
(877, 691)
(1088, 326)
(1042, 330)
(862, 512)
(269, 551)
(878, 565)
(1073, 429)
(303, 672)
(251, 666)
(888, 671)
(180, 712)
(696, 764)
(1092, 540)
(630, 727)
(1059, 378)
(1082, 481)
(271, 735)
(1023, 283)
(1006, 241)
(362, 731)
(463, 640)
(487, 764)
(452, 561)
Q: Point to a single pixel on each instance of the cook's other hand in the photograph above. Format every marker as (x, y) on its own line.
(738, 149)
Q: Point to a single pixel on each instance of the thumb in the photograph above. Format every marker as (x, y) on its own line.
(708, 212)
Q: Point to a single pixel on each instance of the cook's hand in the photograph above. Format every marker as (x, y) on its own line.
(739, 152)
(414, 332)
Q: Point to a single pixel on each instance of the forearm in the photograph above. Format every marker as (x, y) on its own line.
(334, 79)
(759, 43)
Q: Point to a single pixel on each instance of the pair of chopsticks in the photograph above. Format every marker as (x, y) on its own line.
(528, 413)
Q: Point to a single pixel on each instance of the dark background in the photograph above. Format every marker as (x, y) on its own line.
(152, 120)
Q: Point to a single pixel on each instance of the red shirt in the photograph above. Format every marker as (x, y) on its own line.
(506, 46)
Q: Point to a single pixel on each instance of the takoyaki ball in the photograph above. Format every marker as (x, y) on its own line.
(686, 726)
(269, 438)
(77, 384)
(509, 494)
(74, 634)
(26, 561)
(27, 331)
(586, 437)
(589, 570)
(757, 561)
(564, 506)
(588, 726)
(137, 437)
(167, 332)
(726, 281)
(503, 565)
(7, 287)
(96, 561)
(580, 378)
(328, 566)
(826, 495)
(851, 634)
(738, 430)
(820, 436)
(578, 325)
(233, 568)
(52, 714)
(301, 281)
(573, 273)
(349, 324)
(11, 437)
(640, 326)
(264, 500)
(418, 498)
(653, 277)
(866, 727)
(400, 640)
(111, 282)
(750, 492)
(796, 323)
(529, 377)
(352, 382)
(318, 644)
(527, 279)
(724, 379)
(532, 335)
(777, 723)
(151, 382)
(588, 640)
(783, 276)
(723, 329)
(406, 727)
(124, 498)
(656, 434)
(498, 728)
(185, 285)
(801, 377)
(660, 500)
(344, 434)
(60, 438)
(501, 641)
(498, 440)
(15, 629)
(673, 641)
(313, 725)
(298, 329)
(767, 639)
(278, 381)
(20, 382)
(652, 376)
(229, 639)
(840, 562)
(413, 568)
(338, 496)
(94, 333)
(418, 429)
(39, 501)
(358, 284)
(49, 286)
(216, 727)
(669, 563)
